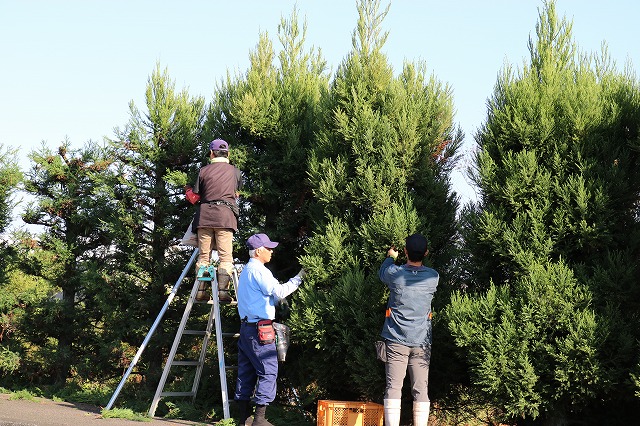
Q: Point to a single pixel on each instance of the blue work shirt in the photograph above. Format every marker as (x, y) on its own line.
(411, 290)
(259, 291)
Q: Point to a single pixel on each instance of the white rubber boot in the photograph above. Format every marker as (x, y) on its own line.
(392, 412)
(421, 413)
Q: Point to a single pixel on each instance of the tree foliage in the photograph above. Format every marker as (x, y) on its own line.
(66, 204)
(154, 156)
(269, 115)
(557, 220)
(379, 172)
(339, 168)
(10, 177)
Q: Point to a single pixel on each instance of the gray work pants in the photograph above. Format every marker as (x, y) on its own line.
(401, 357)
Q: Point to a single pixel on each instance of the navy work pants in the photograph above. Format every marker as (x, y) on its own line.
(257, 367)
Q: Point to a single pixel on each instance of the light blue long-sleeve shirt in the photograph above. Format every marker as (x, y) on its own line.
(259, 291)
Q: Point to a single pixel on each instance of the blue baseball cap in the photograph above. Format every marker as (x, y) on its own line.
(219, 145)
(260, 240)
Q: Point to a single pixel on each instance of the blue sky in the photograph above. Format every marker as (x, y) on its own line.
(69, 68)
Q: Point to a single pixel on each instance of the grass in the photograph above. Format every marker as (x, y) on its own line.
(22, 394)
(124, 413)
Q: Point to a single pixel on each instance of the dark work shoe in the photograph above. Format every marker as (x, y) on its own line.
(202, 294)
(223, 280)
(244, 408)
(224, 296)
(258, 418)
(259, 422)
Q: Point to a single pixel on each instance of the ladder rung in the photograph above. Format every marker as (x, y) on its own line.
(185, 363)
(210, 302)
(195, 332)
(231, 367)
(177, 394)
(231, 334)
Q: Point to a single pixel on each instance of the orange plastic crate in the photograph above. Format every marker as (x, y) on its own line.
(345, 413)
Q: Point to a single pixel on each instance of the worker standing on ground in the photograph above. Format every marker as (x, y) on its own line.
(216, 219)
(407, 329)
(258, 294)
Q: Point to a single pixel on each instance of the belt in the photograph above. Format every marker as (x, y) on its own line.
(217, 202)
(245, 320)
(233, 208)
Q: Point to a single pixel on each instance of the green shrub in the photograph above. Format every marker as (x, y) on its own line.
(9, 361)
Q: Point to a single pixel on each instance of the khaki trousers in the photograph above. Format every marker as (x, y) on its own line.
(220, 239)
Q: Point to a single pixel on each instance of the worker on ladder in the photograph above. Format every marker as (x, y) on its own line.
(258, 293)
(216, 218)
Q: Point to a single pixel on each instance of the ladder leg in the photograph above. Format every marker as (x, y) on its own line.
(174, 290)
(174, 349)
(221, 364)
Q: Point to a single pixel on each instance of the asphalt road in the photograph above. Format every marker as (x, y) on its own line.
(45, 412)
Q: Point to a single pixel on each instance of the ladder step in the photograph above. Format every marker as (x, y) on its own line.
(232, 303)
(231, 367)
(204, 333)
(185, 363)
(177, 394)
(210, 302)
(195, 332)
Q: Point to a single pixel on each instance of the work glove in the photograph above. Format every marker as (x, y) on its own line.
(190, 195)
(301, 274)
(283, 310)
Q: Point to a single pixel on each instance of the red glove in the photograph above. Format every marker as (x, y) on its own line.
(192, 197)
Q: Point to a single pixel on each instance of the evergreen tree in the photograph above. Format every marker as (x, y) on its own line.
(154, 156)
(270, 116)
(66, 253)
(379, 172)
(10, 177)
(553, 244)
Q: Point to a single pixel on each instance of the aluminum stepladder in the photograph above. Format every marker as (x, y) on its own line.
(214, 320)
(147, 338)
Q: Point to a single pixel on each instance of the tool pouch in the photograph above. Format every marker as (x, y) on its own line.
(266, 333)
(381, 350)
(283, 333)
